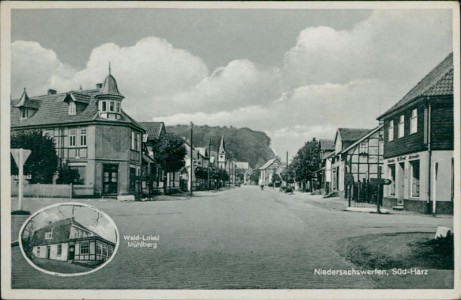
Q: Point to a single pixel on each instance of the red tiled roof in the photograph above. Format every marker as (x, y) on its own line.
(438, 82)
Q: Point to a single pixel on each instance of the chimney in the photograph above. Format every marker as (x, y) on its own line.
(51, 92)
(99, 86)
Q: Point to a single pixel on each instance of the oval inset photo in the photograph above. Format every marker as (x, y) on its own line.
(69, 239)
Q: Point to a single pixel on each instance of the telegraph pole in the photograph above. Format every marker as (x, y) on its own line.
(209, 163)
(191, 157)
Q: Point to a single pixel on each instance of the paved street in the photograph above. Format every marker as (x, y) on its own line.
(237, 239)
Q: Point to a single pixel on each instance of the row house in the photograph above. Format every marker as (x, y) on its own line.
(344, 138)
(362, 161)
(419, 145)
(92, 134)
(326, 148)
(152, 173)
(268, 169)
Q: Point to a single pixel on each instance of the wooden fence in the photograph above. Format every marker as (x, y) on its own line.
(51, 190)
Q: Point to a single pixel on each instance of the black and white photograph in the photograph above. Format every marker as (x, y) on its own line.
(205, 150)
(69, 239)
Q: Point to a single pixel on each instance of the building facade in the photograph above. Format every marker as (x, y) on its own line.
(92, 134)
(344, 138)
(68, 240)
(268, 169)
(419, 144)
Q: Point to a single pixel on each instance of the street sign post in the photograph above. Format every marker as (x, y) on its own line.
(20, 156)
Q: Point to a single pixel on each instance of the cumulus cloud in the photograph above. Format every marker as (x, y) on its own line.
(330, 78)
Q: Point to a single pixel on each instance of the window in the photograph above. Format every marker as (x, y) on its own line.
(118, 107)
(401, 126)
(391, 131)
(99, 249)
(112, 106)
(24, 113)
(133, 140)
(48, 235)
(363, 148)
(104, 106)
(414, 121)
(72, 108)
(72, 137)
(38, 251)
(105, 251)
(84, 248)
(59, 249)
(83, 137)
(414, 171)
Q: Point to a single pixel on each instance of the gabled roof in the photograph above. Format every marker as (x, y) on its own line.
(370, 133)
(327, 144)
(60, 232)
(269, 163)
(203, 151)
(438, 82)
(153, 129)
(351, 134)
(281, 168)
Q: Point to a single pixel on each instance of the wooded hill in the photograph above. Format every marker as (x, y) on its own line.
(242, 144)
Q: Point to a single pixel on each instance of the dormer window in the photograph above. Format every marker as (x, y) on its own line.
(72, 108)
(49, 235)
(24, 113)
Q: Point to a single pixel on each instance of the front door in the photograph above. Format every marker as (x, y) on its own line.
(71, 253)
(48, 251)
(110, 179)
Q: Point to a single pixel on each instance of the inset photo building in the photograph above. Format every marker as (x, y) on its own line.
(69, 239)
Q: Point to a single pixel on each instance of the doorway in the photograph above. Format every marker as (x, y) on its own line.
(110, 179)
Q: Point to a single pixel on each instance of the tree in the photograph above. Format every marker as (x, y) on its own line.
(275, 178)
(42, 162)
(68, 175)
(169, 154)
(254, 177)
(306, 161)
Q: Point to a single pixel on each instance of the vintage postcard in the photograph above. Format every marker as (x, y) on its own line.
(230, 150)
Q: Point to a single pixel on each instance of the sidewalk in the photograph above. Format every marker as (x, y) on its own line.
(338, 203)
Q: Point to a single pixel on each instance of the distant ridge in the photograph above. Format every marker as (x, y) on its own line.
(243, 144)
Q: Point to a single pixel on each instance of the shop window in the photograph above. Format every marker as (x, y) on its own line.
(414, 121)
(391, 131)
(84, 248)
(401, 126)
(414, 171)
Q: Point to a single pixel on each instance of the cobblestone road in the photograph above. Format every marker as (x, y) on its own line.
(238, 239)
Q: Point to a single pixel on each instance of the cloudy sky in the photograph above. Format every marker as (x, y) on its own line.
(294, 74)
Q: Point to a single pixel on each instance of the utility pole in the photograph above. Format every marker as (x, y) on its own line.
(379, 191)
(209, 163)
(191, 157)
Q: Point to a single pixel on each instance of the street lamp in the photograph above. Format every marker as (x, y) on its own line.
(191, 157)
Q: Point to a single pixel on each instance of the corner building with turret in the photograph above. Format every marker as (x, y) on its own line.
(92, 134)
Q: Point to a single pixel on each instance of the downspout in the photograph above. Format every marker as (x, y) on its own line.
(429, 150)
